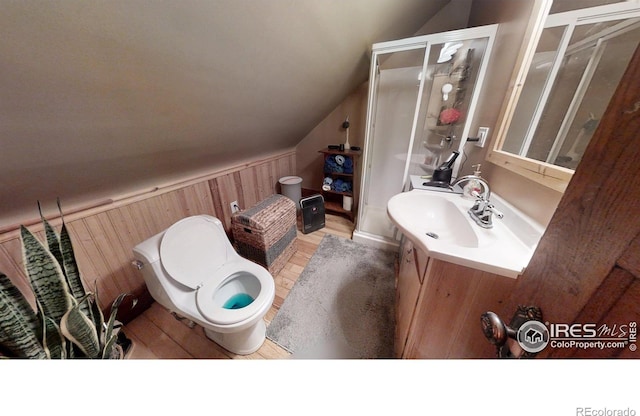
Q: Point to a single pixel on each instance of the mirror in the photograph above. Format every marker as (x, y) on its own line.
(577, 61)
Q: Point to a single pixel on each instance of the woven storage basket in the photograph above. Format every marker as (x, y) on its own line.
(266, 233)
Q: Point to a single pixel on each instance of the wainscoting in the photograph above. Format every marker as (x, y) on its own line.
(103, 237)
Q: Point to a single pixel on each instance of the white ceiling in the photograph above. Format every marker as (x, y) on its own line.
(102, 96)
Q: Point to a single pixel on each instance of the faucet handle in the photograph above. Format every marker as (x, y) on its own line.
(496, 212)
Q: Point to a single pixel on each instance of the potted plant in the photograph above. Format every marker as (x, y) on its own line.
(67, 322)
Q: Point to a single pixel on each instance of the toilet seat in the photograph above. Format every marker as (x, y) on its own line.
(214, 312)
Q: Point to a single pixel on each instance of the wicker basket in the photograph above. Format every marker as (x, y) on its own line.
(266, 233)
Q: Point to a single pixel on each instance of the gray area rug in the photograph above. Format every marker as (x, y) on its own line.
(341, 306)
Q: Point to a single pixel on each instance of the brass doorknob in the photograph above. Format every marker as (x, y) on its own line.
(497, 332)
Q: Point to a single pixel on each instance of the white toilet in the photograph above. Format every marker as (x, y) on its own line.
(193, 270)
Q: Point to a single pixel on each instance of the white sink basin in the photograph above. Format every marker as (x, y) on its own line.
(438, 223)
(436, 217)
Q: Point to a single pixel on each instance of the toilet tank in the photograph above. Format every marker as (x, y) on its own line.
(147, 254)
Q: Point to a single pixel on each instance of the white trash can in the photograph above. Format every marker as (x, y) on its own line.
(347, 202)
(291, 188)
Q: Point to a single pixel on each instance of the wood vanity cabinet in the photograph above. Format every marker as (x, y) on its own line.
(442, 320)
(408, 282)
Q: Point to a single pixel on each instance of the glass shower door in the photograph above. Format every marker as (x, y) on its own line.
(395, 89)
(422, 96)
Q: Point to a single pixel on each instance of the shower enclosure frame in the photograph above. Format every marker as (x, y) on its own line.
(424, 43)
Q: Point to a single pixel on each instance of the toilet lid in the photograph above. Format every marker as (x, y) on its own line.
(192, 250)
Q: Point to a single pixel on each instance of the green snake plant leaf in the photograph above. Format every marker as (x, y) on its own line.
(107, 351)
(46, 277)
(109, 335)
(61, 248)
(20, 302)
(96, 314)
(71, 271)
(53, 341)
(80, 330)
(18, 338)
(53, 240)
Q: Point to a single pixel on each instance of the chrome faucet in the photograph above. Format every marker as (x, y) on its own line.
(485, 185)
(482, 210)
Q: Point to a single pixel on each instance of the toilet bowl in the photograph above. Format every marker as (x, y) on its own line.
(192, 269)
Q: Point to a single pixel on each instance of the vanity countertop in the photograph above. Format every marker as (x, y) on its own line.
(438, 223)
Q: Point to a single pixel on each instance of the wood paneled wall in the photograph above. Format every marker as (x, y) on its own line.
(103, 237)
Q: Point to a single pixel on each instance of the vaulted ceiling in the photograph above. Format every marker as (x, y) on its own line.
(111, 95)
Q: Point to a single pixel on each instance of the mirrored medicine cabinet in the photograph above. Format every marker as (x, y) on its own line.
(570, 69)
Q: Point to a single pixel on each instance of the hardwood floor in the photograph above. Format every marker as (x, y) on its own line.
(157, 334)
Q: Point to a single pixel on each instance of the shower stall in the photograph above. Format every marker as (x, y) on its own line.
(422, 95)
